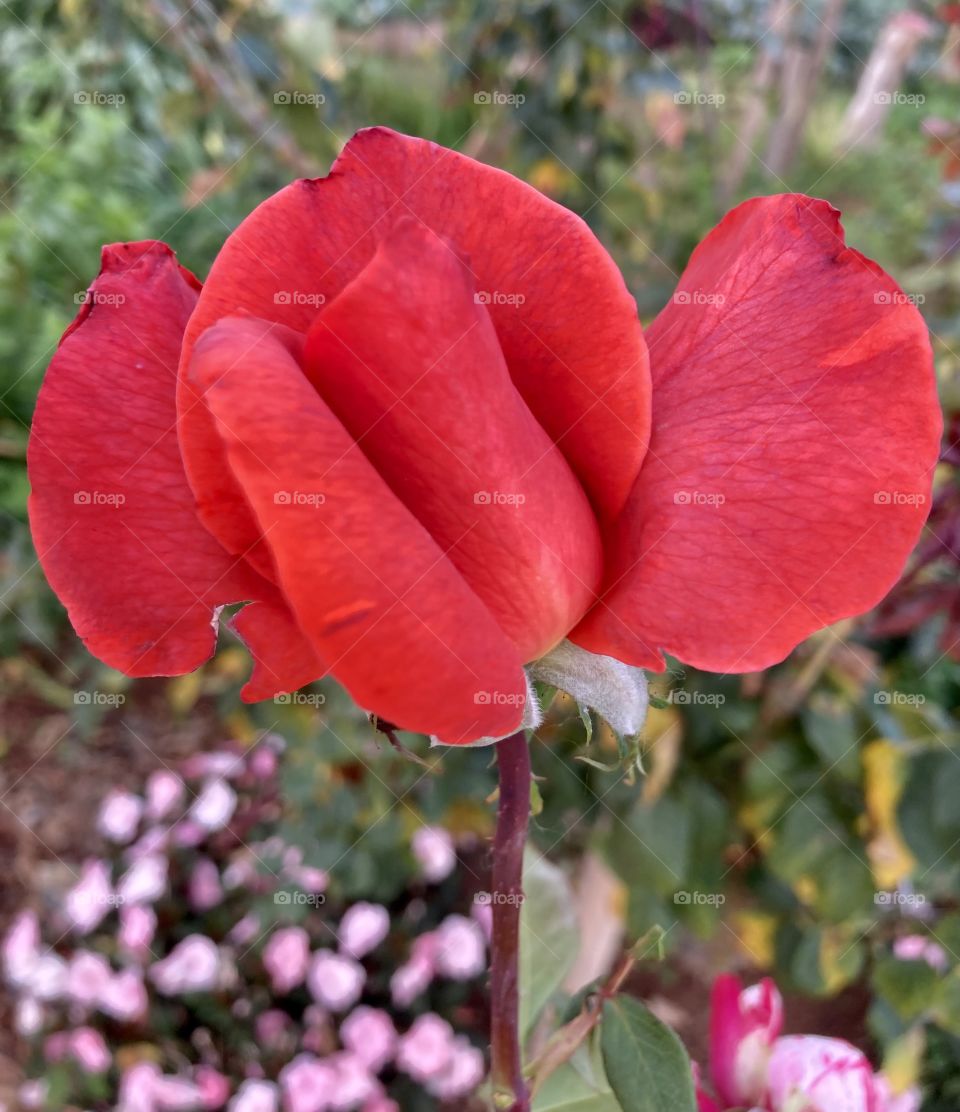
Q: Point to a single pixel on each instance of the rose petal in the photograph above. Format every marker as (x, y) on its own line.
(566, 322)
(790, 466)
(374, 593)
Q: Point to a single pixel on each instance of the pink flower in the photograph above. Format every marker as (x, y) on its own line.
(244, 930)
(369, 1034)
(255, 1096)
(175, 1094)
(89, 1050)
(463, 1072)
(205, 890)
(193, 965)
(917, 947)
(263, 762)
(165, 791)
(124, 996)
(308, 1085)
(214, 1087)
(335, 981)
(286, 958)
(136, 1088)
(381, 1104)
(271, 1028)
(28, 1016)
(137, 927)
(426, 1050)
(363, 928)
(435, 853)
(412, 979)
(310, 879)
(743, 1026)
(220, 763)
(145, 881)
(88, 974)
(119, 817)
(817, 1074)
(461, 948)
(21, 947)
(89, 900)
(354, 1082)
(215, 805)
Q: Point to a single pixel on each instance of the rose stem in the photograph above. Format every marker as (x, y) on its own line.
(506, 1066)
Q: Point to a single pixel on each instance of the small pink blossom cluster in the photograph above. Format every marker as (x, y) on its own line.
(171, 922)
(754, 1067)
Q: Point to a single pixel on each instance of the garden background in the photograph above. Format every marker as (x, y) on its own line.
(796, 822)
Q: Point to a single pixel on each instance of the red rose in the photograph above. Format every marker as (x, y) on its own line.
(407, 420)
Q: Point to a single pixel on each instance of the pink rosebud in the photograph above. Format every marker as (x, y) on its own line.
(193, 965)
(272, 1027)
(89, 1050)
(435, 853)
(286, 958)
(743, 1026)
(335, 981)
(220, 763)
(165, 792)
(426, 1050)
(176, 1094)
(917, 947)
(21, 947)
(363, 928)
(309, 879)
(189, 834)
(88, 974)
(214, 1087)
(145, 881)
(119, 817)
(819, 1074)
(263, 762)
(369, 1034)
(124, 996)
(354, 1082)
(137, 927)
(47, 977)
(28, 1017)
(413, 978)
(463, 1073)
(204, 890)
(214, 806)
(308, 1084)
(137, 1088)
(91, 898)
(255, 1096)
(461, 948)
(245, 930)
(155, 840)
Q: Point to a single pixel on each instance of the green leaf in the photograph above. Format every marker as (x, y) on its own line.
(579, 1086)
(548, 935)
(645, 1062)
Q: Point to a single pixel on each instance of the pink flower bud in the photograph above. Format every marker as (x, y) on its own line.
(463, 1073)
(286, 958)
(193, 965)
(124, 996)
(426, 1050)
(255, 1096)
(205, 890)
(88, 974)
(165, 792)
(21, 947)
(335, 981)
(214, 1088)
(215, 805)
(412, 979)
(917, 947)
(819, 1075)
(354, 1082)
(89, 1050)
(363, 928)
(119, 817)
(145, 881)
(434, 850)
(308, 1085)
(91, 898)
(137, 1086)
(461, 948)
(137, 928)
(263, 762)
(369, 1034)
(743, 1026)
(272, 1027)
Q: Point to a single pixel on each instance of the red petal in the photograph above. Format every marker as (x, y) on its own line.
(283, 657)
(372, 590)
(410, 363)
(113, 518)
(573, 343)
(795, 432)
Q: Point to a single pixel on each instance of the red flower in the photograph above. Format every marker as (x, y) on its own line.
(407, 420)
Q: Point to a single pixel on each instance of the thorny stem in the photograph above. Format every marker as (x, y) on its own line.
(510, 1091)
